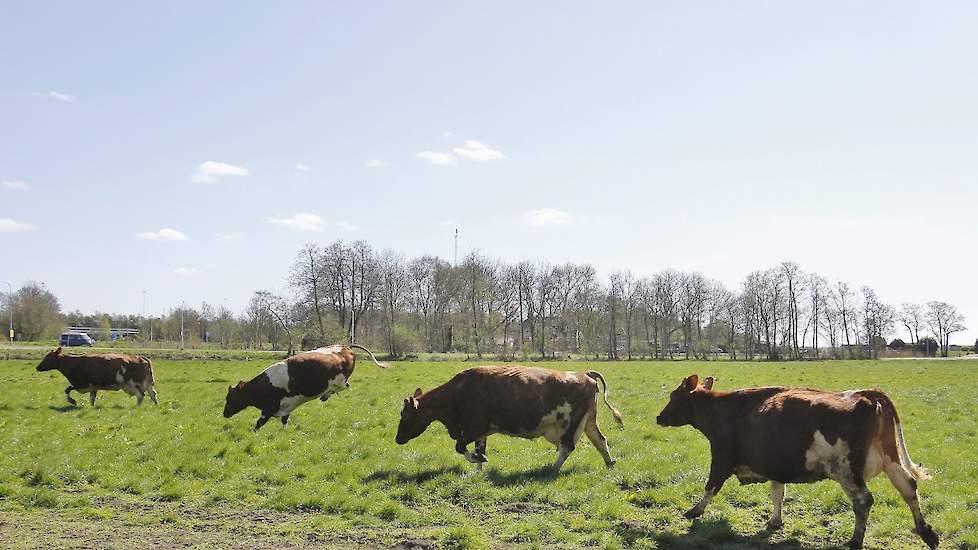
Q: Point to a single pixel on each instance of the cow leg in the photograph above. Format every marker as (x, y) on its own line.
(152, 395)
(68, 391)
(285, 421)
(477, 457)
(568, 440)
(91, 397)
(720, 471)
(777, 499)
(862, 501)
(906, 485)
(598, 439)
(262, 420)
(479, 454)
(140, 395)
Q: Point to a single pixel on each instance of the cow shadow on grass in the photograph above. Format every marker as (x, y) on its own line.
(64, 408)
(420, 476)
(712, 533)
(544, 473)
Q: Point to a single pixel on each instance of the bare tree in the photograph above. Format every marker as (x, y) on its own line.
(913, 318)
(944, 320)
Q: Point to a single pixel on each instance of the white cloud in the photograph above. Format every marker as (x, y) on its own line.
(228, 236)
(165, 234)
(186, 271)
(67, 98)
(548, 216)
(212, 172)
(446, 134)
(348, 226)
(473, 150)
(375, 163)
(447, 223)
(438, 159)
(300, 221)
(301, 167)
(8, 225)
(15, 184)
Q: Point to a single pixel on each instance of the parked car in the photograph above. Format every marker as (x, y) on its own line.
(69, 339)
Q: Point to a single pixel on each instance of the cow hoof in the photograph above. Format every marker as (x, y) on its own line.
(855, 545)
(692, 513)
(611, 465)
(774, 524)
(928, 535)
(479, 458)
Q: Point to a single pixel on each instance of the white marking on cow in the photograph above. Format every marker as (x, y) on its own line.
(831, 460)
(119, 378)
(553, 424)
(278, 375)
(849, 394)
(337, 384)
(290, 403)
(570, 374)
(876, 461)
(329, 349)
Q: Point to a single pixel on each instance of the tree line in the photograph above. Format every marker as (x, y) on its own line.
(484, 306)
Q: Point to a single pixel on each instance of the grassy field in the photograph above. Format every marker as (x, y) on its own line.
(180, 475)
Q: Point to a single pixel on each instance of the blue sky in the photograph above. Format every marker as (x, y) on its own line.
(720, 137)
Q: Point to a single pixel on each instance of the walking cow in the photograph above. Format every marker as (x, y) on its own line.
(132, 374)
(525, 402)
(800, 435)
(280, 388)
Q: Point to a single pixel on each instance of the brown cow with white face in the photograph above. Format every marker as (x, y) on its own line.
(800, 435)
(280, 388)
(132, 374)
(518, 401)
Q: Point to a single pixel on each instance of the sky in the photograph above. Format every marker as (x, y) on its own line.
(190, 149)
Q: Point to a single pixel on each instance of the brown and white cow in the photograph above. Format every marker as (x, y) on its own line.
(800, 435)
(280, 388)
(518, 401)
(132, 374)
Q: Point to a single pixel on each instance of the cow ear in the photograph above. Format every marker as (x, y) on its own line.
(58, 351)
(241, 384)
(708, 382)
(417, 393)
(692, 382)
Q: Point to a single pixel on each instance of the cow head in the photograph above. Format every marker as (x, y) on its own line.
(235, 402)
(50, 361)
(414, 421)
(679, 410)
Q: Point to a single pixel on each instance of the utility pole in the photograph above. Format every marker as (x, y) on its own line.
(455, 263)
(182, 309)
(10, 307)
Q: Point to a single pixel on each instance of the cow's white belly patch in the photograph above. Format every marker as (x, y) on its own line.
(831, 460)
(278, 375)
(553, 424)
(290, 402)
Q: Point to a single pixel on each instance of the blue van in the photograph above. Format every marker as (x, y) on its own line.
(69, 339)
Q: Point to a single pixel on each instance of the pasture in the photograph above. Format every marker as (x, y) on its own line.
(181, 475)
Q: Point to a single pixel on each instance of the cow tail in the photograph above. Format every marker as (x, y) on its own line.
(595, 375)
(890, 412)
(370, 353)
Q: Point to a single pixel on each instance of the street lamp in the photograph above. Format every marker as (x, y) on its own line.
(10, 306)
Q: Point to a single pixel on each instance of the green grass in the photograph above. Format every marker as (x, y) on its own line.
(181, 473)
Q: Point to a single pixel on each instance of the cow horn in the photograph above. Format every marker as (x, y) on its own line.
(417, 393)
